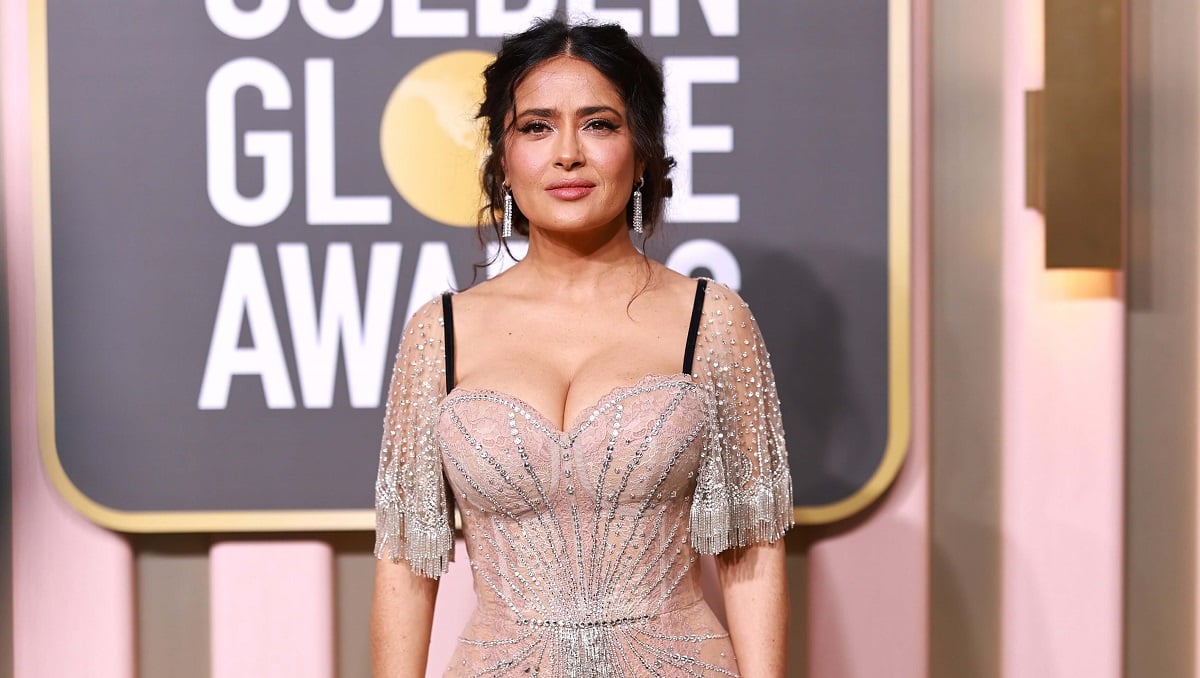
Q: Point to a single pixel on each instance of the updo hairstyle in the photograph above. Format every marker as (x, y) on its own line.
(609, 49)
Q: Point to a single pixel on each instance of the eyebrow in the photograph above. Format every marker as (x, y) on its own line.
(585, 111)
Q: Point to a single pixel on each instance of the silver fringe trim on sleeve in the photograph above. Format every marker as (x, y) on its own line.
(743, 492)
(412, 517)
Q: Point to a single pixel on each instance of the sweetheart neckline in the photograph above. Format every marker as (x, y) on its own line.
(576, 422)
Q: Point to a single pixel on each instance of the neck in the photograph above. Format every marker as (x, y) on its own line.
(583, 261)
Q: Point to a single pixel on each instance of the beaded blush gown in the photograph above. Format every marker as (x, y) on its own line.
(584, 542)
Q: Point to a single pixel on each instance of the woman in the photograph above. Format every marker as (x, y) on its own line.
(599, 419)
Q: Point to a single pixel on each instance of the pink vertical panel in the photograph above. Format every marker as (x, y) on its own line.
(868, 586)
(1063, 401)
(72, 581)
(272, 610)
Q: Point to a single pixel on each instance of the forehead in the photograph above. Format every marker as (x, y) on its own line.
(566, 80)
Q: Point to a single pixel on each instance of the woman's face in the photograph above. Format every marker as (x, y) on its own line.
(569, 157)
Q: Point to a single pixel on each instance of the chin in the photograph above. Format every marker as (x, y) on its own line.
(579, 224)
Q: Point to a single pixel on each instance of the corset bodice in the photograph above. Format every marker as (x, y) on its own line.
(579, 539)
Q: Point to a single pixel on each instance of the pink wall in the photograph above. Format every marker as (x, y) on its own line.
(1063, 462)
(272, 609)
(72, 581)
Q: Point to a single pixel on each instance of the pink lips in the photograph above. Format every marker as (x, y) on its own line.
(570, 189)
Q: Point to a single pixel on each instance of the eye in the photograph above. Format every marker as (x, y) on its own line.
(600, 124)
(535, 127)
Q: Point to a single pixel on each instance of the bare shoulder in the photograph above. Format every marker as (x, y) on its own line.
(482, 296)
(674, 288)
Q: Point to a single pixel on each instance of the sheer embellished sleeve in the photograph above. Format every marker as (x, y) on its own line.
(744, 491)
(412, 520)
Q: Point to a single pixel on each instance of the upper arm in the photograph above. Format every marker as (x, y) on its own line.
(744, 491)
(412, 521)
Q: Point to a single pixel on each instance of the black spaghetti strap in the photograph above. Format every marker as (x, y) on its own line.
(448, 328)
(448, 331)
(694, 328)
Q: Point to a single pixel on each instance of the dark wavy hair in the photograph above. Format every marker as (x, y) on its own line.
(609, 49)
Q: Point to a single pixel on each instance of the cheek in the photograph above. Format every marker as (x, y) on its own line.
(619, 160)
(521, 164)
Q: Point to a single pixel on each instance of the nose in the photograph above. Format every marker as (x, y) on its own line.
(568, 153)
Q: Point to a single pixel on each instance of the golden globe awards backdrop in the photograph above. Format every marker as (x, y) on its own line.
(244, 201)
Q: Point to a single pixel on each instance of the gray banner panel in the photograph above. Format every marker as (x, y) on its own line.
(213, 172)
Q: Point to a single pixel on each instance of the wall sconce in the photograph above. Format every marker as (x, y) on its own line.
(1075, 135)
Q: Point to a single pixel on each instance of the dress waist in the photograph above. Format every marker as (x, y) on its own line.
(685, 640)
(620, 608)
(584, 623)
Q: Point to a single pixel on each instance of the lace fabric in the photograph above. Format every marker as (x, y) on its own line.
(584, 542)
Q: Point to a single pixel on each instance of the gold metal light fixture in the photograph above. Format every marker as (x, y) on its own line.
(1075, 135)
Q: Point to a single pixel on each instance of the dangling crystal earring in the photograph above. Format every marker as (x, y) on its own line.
(637, 206)
(506, 231)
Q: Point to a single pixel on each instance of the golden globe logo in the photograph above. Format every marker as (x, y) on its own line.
(432, 148)
(432, 144)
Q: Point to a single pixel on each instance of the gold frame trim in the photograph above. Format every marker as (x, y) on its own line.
(899, 322)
